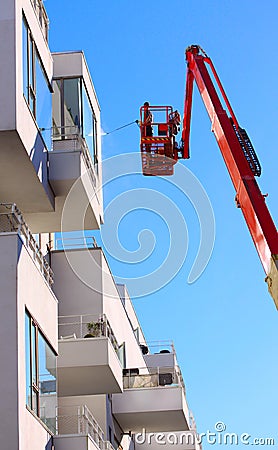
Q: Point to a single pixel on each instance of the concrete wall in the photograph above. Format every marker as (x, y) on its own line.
(9, 432)
(78, 283)
(126, 300)
(22, 285)
(119, 319)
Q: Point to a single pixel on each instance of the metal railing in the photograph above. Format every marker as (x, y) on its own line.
(79, 420)
(68, 138)
(62, 243)
(42, 16)
(11, 220)
(152, 377)
(157, 347)
(86, 326)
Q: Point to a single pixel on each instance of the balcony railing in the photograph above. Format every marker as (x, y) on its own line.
(66, 243)
(86, 326)
(69, 139)
(157, 347)
(152, 378)
(42, 16)
(11, 220)
(80, 421)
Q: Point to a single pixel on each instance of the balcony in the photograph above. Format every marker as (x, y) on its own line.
(159, 354)
(77, 428)
(88, 362)
(11, 221)
(75, 183)
(153, 399)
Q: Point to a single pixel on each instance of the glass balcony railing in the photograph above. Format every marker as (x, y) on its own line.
(152, 377)
(71, 243)
(11, 220)
(157, 347)
(86, 326)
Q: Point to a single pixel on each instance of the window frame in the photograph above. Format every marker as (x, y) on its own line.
(81, 112)
(31, 56)
(34, 389)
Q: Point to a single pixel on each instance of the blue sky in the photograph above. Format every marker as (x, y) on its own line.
(224, 325)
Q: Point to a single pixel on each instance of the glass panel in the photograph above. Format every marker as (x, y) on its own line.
(43, 103)
(32, 101)
(28, 359)
(31, 65)
(71, 104)
(25, 59)
(34, 350)
(122, 355)
(136, 334)
(35, 402)
(47, 383)
(89, 124)
(56, 108)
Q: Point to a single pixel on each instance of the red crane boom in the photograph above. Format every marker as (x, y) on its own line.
(240, 159)
(239, 156)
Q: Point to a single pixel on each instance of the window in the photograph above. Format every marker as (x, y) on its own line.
(73, 113)
(122, 355)
(137, 334)
(36, 89)
(40, 360)
(89, 123)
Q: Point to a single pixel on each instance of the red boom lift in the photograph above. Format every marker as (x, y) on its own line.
(160, 152)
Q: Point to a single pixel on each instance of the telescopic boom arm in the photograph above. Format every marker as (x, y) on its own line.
(240, 159)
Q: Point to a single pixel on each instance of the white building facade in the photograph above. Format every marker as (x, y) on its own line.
(77, 373)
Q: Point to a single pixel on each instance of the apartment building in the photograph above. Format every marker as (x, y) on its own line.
(77, 372)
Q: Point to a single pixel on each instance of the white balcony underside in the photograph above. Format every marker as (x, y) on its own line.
(154, 409)
(87, 367)
(23, 177)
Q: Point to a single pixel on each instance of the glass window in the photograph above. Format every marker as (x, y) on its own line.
(43, 103)
(40, 361)
(72, 112)
(28, 359)
(89, 125)
(122, 355)
(56, 108)
(47, 383)
(34, 369)
(34, 353)
(35, 85)
(25, 58)
(71, 109)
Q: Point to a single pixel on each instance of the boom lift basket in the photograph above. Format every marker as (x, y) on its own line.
(158, 146)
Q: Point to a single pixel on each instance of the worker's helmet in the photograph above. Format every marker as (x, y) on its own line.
(146, 104)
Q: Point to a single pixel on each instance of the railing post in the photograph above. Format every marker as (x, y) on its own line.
(79, 416)
(81, 326)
